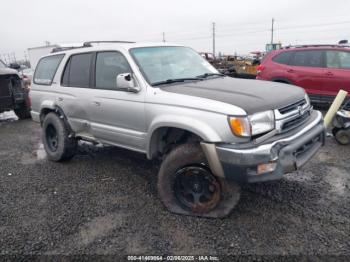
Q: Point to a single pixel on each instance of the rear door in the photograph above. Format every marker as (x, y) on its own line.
(307, 70)
(73, 93)
(338, 72)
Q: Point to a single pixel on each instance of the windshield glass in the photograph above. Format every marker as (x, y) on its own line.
(2, 65)
(163, 63)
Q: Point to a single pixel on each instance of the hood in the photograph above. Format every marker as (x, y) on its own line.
(8, 71)
(251, 95)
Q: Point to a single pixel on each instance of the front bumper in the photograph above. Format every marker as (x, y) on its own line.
(288, 153)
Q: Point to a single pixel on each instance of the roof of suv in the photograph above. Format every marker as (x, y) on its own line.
(110, 45)
(315, 47)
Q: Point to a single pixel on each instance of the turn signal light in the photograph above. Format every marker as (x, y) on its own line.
(266, 168)
(240, 126)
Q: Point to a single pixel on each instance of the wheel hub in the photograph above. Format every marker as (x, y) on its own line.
(52, 138)
(197, 189)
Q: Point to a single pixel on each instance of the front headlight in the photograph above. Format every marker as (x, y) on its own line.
(262, 122)
(252, 125)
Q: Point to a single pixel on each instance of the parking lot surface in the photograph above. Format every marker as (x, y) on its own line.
(104, 201)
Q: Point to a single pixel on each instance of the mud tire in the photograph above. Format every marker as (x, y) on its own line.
(192, 155)
(65, 147)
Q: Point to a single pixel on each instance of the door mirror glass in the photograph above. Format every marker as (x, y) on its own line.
(126, 81)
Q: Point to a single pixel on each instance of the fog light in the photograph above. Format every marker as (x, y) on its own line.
(266, 168)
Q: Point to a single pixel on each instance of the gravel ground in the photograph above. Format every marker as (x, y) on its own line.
(104, 201)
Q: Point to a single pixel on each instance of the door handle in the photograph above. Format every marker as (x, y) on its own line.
(60, 99)
(290, 71)
(329, 74)
(96, 103)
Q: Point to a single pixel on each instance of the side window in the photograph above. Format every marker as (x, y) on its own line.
(46, 69)
(307, 58)
(338, 59)
(77, 71)
(283, 58)
(108, 66)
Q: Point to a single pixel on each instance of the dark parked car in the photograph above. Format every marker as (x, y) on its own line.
(13, 94)
(320, 69)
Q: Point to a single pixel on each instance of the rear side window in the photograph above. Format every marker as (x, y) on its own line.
(77, 71)
(307, 59)
(46, 69)
(282, 58)
(338, 59)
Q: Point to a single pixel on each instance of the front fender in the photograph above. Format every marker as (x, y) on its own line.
(195, 126)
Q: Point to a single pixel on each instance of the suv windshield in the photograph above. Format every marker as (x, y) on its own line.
(168, 64)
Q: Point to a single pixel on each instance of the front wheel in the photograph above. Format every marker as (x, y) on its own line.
(187, 186)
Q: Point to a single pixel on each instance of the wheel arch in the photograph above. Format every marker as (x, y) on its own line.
(191, 128)
(50, 107)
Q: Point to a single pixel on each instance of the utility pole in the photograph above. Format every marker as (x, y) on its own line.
(273, 21)
(163, 37)
(214, 39)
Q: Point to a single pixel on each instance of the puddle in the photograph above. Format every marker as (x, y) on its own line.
(40, 152)
(36, 155)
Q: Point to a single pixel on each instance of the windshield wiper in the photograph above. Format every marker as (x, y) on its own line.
(175, 80)
(209, 74)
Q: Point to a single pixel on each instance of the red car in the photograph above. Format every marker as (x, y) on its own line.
(320, 69)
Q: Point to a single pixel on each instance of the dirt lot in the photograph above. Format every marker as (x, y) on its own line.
(105, 201)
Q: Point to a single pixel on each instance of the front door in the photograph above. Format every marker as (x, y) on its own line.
(117, 116)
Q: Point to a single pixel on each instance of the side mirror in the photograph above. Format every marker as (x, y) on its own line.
(126, 81)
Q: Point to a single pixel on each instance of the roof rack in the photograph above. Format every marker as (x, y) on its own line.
(324, 45)
(86, 44)
(60, 48)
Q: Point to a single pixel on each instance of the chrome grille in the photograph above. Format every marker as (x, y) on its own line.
(292, 115)
(292, 107)
(295, 122)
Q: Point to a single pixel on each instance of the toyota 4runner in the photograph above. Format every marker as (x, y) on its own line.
(211, 132)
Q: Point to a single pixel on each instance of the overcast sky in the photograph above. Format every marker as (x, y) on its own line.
(241, 26)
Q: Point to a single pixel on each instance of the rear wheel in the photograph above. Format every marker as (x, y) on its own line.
(187, 186)
(58, 145)
(342, 136)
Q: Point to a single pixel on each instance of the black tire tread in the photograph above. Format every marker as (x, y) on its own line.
(67, 145)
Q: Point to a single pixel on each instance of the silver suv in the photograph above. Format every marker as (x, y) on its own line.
(211, 132)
